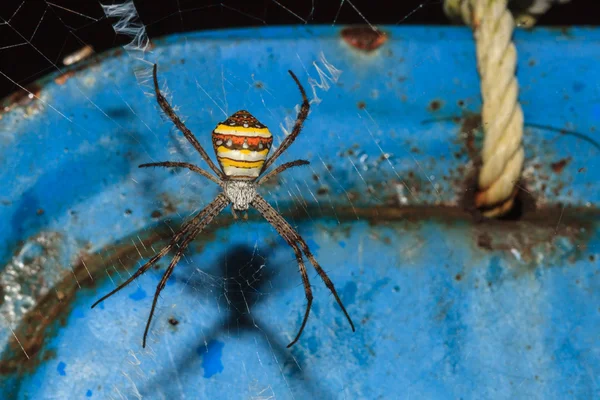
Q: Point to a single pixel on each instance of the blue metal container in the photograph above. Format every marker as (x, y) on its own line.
(446, 306)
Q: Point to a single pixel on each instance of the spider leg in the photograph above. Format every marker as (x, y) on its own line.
(294, 239)
(220, 199)
(288, 236)
(280, 169)
(307, 289)
(302, 115)
(215, 210)
(166, 107)
(325, 279)
(189, 166)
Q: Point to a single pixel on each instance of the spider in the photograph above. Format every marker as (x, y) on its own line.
(241, 144)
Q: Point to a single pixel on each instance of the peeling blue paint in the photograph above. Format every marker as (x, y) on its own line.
(211, 357)
(60, 368)
(138, 295)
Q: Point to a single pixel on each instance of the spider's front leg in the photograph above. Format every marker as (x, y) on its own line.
(302, 115)
(280, 169)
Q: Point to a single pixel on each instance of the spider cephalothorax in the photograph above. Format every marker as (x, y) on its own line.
(241, 144)
(240, 193)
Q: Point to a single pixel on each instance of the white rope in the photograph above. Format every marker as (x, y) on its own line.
(525, 12)
(502, 117)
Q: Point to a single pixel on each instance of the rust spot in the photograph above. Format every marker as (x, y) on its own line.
(458, 277)
(40, 211)
(364, 37)
(461, 103)
(470, 123)
(435, 105)
(259, 85)
(322, 190)
(173, 321)
(62, 79)
(560, 165)
(361, 105)
(156, 214)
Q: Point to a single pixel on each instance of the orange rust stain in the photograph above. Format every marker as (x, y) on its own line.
(560, 165)
(364, 38)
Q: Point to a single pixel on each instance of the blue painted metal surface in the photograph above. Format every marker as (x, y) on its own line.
(445, 307)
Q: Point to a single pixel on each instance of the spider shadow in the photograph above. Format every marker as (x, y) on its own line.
(245, 277)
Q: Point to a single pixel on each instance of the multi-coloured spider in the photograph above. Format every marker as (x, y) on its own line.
(241, 144)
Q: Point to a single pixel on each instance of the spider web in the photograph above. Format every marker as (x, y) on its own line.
(235, 299)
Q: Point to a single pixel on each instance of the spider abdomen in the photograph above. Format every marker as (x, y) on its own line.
(242, 144)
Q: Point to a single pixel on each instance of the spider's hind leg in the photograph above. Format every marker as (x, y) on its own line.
(296, 242)
(325, 279)
(209, 213)
(307, 289)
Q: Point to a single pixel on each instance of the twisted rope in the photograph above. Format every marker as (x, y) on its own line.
(502, 116)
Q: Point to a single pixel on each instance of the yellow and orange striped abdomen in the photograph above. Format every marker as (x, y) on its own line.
(242, 145)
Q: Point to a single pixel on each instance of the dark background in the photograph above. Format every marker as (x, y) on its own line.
(35, 35)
